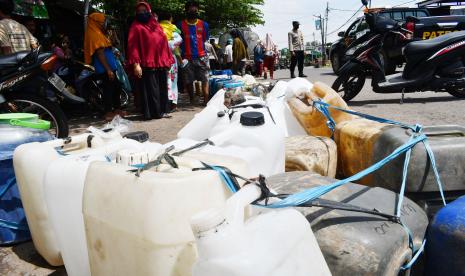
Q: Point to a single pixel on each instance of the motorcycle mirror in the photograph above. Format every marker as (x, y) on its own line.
(340, 34)
(365, 3)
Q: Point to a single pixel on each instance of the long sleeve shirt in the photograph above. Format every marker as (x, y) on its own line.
(296, 41)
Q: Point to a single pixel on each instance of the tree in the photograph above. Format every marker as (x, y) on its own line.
(220, 14)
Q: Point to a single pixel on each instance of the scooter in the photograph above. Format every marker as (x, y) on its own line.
(81, 78)
(27, 84)
(431, 65)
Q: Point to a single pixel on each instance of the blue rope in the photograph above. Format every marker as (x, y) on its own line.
(415, 257)
(314, 193)
(13, 225)
(9, 183)
(318, 104)
(323, 108)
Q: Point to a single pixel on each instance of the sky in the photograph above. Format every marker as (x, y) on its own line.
(279, 14)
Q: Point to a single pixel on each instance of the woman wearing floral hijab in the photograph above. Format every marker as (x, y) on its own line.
(150, 56)
(98, 52)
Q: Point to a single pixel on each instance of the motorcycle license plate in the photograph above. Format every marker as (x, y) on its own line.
(57, 82)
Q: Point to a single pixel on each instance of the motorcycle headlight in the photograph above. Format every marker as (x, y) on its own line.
(351, 51)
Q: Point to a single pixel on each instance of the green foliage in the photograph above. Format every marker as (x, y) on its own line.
(220, 14)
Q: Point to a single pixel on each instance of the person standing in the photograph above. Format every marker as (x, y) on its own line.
(258, 56)
(150, 56)
(14, 37)
(212, 57)
(270, 57)
(98, 52)
(296, 47)
(228, 54)
(240, 55)
(195, 33)
(173, 34)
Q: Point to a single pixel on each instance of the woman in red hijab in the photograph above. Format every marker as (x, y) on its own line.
(150, 57)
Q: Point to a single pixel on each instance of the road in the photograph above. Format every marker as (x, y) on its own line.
(423, 108)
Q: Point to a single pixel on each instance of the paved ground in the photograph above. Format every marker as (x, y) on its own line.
(424, 108)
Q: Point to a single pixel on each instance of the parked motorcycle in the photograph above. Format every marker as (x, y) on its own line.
(431, 65)
(27, 84)
(81, 79)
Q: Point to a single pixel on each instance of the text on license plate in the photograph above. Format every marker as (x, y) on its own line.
(56, 81)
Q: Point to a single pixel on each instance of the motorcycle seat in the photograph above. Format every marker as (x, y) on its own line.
(429, 45)
(12, 60)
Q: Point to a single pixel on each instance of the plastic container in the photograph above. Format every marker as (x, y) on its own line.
(311, 119)
(31, 162)
(249, 135)
(313, 154)
(356, 140)
(446, 241)
(13, 224)
(361, 143)
(448, 146)
(358, 243)
(64, 198)
(140, 225)
(227, 72)
(228, 244)
(282, 114)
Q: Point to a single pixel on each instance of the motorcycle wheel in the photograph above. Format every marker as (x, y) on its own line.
(349, 83)
(46, 109)
(336, 63)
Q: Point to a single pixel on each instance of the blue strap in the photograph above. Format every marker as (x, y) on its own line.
(314, 193)
(13, 225)
(435, 169)
(415, 257)
(324, 110)
(224, 176)
(318, 104)
(9, 183)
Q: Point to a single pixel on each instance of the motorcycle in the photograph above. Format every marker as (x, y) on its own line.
(27, 84)
(81, 79)
(431, 65)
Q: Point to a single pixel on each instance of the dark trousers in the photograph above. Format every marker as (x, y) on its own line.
(154, 93)
(297, 59)
(111, 93)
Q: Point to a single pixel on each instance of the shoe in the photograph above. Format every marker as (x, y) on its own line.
(292, 76)
(166, 116)
(302, 76)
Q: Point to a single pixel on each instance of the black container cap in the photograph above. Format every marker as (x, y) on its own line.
(139, 136)
(252, 118)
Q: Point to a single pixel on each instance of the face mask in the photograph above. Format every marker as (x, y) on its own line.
(143, 17)
(192, 15)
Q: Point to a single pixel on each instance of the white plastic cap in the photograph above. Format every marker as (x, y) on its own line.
(207, 220)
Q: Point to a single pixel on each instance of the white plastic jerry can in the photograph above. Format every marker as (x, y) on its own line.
(274, 242)
(30, 163)
(64, 186)
(253, 137)
(139, 225)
